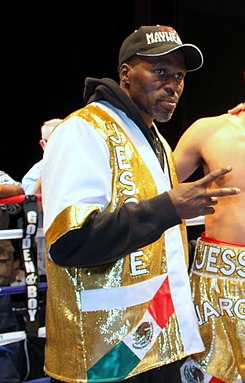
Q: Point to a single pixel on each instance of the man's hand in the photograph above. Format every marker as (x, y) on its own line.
(192, 199)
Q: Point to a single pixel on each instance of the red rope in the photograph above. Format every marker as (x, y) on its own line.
(17, 199)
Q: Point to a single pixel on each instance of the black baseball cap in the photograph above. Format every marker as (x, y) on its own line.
(159, 40)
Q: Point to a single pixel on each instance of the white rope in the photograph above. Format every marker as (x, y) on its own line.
(17, 233)
(195, 221)
(17, 336)
(11, 234)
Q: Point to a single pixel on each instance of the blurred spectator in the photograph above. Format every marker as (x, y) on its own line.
(32, 185)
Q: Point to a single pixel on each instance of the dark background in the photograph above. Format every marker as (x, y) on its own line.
(57, 44)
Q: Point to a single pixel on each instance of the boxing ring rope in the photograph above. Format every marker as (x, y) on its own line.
(17, 336)
(17, 199)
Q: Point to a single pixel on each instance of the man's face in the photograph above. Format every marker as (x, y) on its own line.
(155, 84)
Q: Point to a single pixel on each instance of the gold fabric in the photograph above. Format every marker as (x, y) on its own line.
(84, 337)
(218, 289)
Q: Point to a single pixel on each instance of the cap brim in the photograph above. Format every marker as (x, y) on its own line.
(192, 54)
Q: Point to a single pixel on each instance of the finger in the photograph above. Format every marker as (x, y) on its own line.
(212, 176)
(223, 192)
(213, 200)
(208, 210)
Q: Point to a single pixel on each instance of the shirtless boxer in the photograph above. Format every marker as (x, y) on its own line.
(218, 271)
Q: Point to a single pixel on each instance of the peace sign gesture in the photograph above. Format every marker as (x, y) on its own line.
(192, 199)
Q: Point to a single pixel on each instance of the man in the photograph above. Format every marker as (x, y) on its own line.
(32, 185)
(119, 304)
(218, 271)
(9, 188)
(31, 180)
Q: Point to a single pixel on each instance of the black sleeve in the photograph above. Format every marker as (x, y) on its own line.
(106, 237)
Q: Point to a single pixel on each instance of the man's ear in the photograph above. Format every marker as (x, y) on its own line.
(42, 143)
(124, 71)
